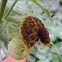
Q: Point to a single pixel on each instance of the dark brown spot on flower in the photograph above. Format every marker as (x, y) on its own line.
(25, 25)
(28, 31)
(31, 44)
(38, 25)
(26, 37)
(35, 29)
(33, 36)
(32, 25)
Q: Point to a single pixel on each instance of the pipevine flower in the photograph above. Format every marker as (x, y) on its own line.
(31, 31)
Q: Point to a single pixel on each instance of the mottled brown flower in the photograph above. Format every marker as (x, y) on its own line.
(33, 30)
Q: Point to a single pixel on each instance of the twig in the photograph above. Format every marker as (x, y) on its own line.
(2, 7)
(10, 9)
(0, 52)
(57, 52)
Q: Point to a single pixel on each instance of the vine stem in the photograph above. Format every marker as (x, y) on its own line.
(57, 51)
(0, 52)
(2, 7)
(10, 9)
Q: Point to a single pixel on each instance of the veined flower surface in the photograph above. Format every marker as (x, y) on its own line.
(32, 30)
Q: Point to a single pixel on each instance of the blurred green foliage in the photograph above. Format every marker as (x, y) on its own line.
(53, 26)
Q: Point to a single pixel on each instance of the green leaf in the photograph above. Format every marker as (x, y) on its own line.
(10, 9)
(2, 7)
(0, 43)
(3, 32)
(45, 10)
(32, 59)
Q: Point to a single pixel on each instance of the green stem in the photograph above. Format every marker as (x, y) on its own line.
(57, 52)
(2, 7)
(10, 9)
(0, 52)
(45, 10)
